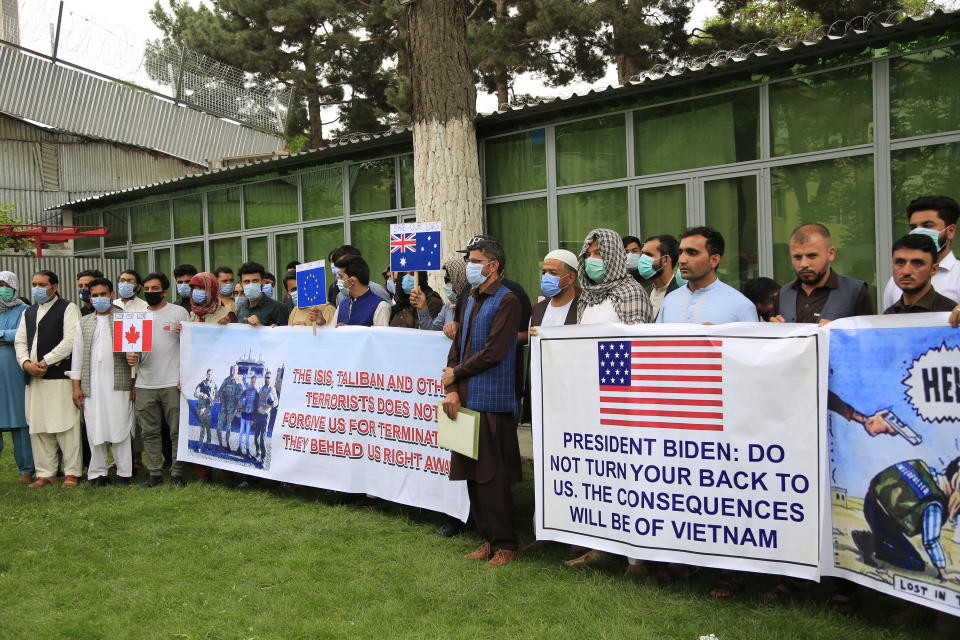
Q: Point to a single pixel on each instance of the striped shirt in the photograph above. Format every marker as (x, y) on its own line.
(932, 525)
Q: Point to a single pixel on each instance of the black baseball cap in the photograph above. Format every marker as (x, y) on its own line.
(477, 243)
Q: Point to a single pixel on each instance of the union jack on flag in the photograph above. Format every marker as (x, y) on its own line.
(415, 246)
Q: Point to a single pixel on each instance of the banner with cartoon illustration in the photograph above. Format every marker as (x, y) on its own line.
(683, 443)
(893, 415)
(329, 410)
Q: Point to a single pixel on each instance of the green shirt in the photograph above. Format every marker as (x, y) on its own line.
(268, 311)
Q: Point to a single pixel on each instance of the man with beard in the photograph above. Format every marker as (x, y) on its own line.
(819, 294)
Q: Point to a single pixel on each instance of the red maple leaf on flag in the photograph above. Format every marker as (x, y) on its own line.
(132, 335)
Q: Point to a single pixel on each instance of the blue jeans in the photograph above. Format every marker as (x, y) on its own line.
(22, 450)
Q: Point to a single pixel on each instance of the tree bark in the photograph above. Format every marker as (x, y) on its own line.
(316, 140)
(446, 168)
(503, 84)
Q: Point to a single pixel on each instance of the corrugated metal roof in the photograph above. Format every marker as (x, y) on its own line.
(549, 107)
(67, 99)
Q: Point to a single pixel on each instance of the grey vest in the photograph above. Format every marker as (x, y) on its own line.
(841, 303)
(121, 370)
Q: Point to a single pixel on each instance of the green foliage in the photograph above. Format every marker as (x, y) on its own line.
(9, 243)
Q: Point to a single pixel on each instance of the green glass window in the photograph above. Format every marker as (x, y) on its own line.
(921, 171)
(141, 262)
(116, 223)
(516, 163)
(521, 226)
(122, 255)
(285, 250)
(837, 193)
(591, 150)
(223, 209)
(372, 186)
(372, 237)
(705, 132)
(924, 94)
(161, 264)
(322, 194)
(318, 242)
(822, 111)
(257, 250)
(580, 213)
(269, 203)
(225, 253)
(663, 210)
(189, 253)
(731, 209)
(89, 219)
(187, 217)
(150, 222)
(406, 181)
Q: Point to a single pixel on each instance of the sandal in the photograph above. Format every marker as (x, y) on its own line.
(726, 585)
(788, 588)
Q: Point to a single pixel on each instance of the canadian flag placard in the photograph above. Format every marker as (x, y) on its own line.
(133, 332)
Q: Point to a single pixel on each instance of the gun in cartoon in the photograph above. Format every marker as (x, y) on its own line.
(902, 428)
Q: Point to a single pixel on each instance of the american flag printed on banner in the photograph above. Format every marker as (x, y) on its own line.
(661, 383)
(415, 246)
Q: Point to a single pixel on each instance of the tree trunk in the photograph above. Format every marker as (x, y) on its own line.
(315, 136)
(627, 65)
(446, 168)
(503, 85)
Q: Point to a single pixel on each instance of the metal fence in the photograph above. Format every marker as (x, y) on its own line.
(65, 268)
(54, 30)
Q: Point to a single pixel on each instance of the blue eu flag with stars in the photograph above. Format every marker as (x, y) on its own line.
(311, 284)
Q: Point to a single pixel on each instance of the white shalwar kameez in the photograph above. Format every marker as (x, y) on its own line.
(109, 414)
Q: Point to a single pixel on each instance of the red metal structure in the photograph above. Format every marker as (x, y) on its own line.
(51, 233)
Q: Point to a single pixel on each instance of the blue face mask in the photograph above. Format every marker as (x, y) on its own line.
(933, 234)
(40, 295)
(252, 290)
(632, 260)
(645, 267)
(342, 286)
(681, 281)
(550, 285)
(408, 283)
(184, 289)
(448, 290)
(293, 297)
(84, 294)
(227, 289)
(334, 270)
(475, 274)
(126, 290)
(391, 287)
(199, 296)
(100, 304)
(268, 290)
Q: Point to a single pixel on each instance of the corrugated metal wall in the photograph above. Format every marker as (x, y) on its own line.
(73, 101)
(66, 268)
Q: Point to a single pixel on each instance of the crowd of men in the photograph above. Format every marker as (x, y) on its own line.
(78, 392)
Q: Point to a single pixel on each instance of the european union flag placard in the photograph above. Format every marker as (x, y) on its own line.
(415, 246)
(311, 284)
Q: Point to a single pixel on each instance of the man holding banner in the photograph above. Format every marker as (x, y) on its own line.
(480, 376)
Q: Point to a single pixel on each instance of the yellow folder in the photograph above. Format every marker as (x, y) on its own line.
(461, 435)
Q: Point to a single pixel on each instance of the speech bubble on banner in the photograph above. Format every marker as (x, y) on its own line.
(933, 384)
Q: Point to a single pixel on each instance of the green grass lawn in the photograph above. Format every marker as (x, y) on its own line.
(211, 562)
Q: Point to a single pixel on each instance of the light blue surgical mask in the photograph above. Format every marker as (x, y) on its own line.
(227, 289)
(408, 283)
(334, 270)
(101, 305)
(268, 290)
(126, 290)
(475, 274)
(550, 285)
(391, 287)
(930, 233)
(253, 291)
(6, 294)
(293, 297)
(343, 288)
(184, 289)
(632, 260)
(199, 296)
(645, 267)
(40, 295)
(595, 268)
(681, 281)
(240, 301)
(448, 291)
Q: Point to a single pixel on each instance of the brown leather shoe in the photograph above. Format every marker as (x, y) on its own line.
(25, 478)
(482, 552)
(70, 482)
(40, 482)
(502, 557)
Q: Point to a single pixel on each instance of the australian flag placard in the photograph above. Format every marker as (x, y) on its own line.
(415, 246)
(311, 284)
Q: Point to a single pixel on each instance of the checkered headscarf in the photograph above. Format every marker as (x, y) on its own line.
(628, 297)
